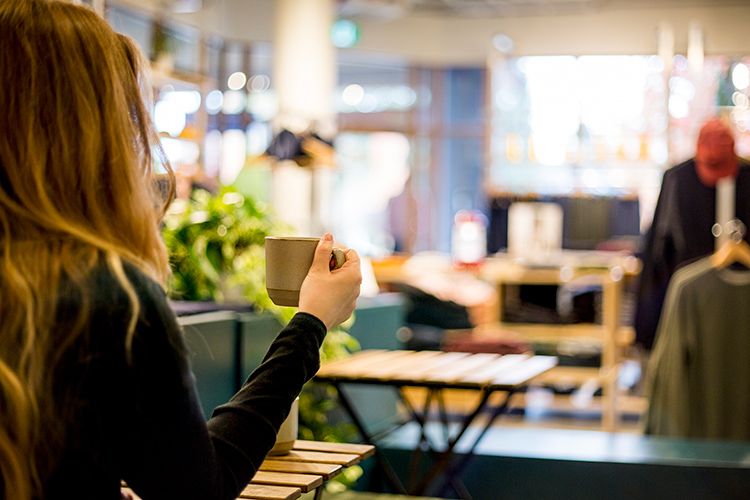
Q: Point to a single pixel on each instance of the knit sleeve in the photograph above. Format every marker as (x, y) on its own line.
(168, 450)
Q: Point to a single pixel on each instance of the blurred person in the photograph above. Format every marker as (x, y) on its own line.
(95, 384)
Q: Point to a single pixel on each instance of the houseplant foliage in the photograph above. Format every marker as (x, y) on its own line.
(164, 44)
(216, 245)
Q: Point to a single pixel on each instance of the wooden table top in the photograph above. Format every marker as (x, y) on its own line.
(437, 369)
(306, 467)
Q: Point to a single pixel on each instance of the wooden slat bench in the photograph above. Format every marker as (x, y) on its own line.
(306, 468)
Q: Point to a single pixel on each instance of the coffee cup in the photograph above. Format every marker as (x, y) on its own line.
(287, 433)
(288, 260)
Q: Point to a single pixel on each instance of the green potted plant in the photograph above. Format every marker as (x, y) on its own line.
(216, 245)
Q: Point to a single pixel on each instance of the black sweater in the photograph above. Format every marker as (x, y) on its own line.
(680, 233)
(140, 420)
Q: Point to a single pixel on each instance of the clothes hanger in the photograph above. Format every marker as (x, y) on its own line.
(731, 252)
(734, 250)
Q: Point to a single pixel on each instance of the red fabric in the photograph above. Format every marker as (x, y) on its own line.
(714, 156)
(473, 344)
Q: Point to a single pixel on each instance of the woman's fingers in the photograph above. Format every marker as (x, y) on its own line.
(331, 295)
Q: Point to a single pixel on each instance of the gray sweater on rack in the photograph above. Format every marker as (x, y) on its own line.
(699, 373)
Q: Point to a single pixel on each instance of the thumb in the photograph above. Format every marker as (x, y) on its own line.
(322, 257)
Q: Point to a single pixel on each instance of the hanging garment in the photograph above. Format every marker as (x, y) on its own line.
(680, 233)
(699, 373)
(285, 146)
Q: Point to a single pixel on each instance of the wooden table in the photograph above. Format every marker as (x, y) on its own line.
(436, 371)
(606, 270)
(306, 468)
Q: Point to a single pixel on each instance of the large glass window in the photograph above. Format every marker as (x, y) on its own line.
(607, 125)
(593, 124)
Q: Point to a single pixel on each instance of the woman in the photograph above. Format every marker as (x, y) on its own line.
(94, 382)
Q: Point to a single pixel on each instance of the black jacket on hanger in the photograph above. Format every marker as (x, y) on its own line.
(680, 233)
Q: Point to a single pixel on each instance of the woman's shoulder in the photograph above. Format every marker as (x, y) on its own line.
(114, 294)
(106, 284)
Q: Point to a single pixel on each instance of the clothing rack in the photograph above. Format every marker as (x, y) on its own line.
(735, 249)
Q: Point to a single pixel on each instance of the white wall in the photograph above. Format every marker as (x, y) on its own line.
(454, 41)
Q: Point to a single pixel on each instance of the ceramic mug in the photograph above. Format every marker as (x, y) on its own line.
(287, 433)
(288, 259)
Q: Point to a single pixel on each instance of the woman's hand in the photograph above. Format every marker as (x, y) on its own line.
(331, 296)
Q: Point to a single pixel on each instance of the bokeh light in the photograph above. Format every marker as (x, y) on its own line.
(214, 102)
(236, 80)
(353, 94)
(741, 76)
(503, 43)
(234, 102)
(169, 118)
(259, 83)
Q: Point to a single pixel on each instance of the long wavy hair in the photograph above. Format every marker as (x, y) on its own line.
(77, 190)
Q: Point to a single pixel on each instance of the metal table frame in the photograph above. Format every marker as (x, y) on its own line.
(444, 465)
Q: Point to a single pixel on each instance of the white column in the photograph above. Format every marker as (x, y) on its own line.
(304, 65)
(665, 44)
(98, 6)
(695, 50)
(304, 76)
(665, 48)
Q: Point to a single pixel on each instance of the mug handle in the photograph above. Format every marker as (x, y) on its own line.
(337, 259)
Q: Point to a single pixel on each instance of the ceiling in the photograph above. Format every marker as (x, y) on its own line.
(393, 9)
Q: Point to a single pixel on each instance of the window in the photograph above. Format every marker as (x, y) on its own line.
(562, 124)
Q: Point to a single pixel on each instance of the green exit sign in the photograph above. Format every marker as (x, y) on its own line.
(344, 33)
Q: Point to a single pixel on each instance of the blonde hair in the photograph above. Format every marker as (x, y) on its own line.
(77, 190)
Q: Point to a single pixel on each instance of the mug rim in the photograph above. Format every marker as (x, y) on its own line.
(293, 238)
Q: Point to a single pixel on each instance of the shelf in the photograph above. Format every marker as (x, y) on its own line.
(460, 401)
(179, 78)
(578, 331)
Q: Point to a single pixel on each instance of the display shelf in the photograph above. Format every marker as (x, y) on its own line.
(589, 332)
(600, 269)
(458, 401)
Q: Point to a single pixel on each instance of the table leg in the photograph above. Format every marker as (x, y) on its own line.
(445, 457)
(416, 458)
(443, 415)
(456, 470)
(422, 420)
(319, 492)
(379, 456)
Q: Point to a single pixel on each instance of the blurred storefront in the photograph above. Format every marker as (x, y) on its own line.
(485, 105)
